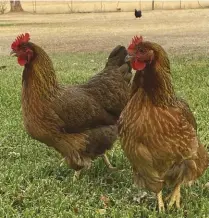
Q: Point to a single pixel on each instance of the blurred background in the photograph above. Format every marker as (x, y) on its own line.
(76, 6)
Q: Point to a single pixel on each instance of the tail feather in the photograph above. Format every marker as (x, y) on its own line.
(117, 56)
(125, 69)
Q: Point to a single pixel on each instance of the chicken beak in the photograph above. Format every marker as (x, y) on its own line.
(13, 54)
(128, 58)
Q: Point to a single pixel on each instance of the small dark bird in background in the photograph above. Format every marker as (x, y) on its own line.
(138, 13)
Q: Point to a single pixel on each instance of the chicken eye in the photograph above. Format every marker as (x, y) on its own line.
(23, 46)
(141, 50)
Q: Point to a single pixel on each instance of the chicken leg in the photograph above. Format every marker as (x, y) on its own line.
(161, 206)
(107, 162)
(175, 197)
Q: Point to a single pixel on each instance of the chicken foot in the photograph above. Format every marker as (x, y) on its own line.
(161, 206)
(107, 162)
(175, 197)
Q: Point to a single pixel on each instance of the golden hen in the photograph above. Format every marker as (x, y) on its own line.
(158, 130)
(79, 121)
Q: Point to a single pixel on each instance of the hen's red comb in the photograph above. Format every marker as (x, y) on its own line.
(136, 40)
(19, 40)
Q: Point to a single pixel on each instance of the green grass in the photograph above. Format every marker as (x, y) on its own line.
(34, 181)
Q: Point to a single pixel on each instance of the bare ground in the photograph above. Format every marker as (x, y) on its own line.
(178, 31)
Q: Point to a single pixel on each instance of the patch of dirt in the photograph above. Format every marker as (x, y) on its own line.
(178, 31)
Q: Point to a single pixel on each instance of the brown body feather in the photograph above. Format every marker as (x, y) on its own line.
(158, 130)
(78, 121)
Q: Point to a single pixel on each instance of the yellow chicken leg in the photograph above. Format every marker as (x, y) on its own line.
(175, 197)
(107, 162)
(161, 206)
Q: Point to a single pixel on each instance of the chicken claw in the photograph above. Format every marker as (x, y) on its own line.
(161, 206)
(107, 162)
(175, 197)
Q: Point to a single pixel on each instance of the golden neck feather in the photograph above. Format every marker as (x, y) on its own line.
(155, 80)
(39, 75)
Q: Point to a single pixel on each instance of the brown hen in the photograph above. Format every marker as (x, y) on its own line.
(78, 121)
(157, 129)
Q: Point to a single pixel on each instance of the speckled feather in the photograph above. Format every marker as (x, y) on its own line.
(158, 130)
(78, 121)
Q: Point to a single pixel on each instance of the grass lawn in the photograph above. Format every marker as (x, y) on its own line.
(35, 182)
